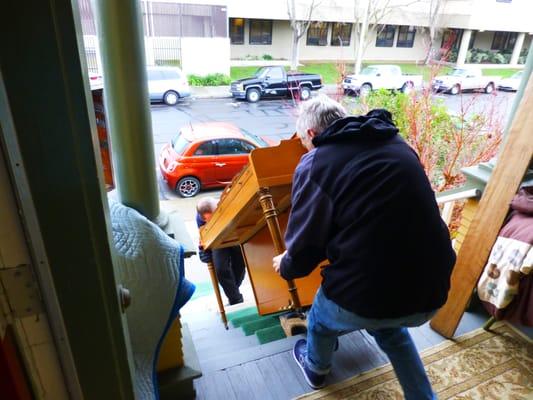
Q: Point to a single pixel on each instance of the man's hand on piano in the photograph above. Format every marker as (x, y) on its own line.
(276, 261)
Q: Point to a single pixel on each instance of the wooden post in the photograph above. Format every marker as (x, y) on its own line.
(214, 281)
(513, 162)
(271, 217)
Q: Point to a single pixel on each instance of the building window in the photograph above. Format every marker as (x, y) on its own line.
(406, 36)
(385, 36)
(185, 20)
(451, 39)
(236, 30)
(503, 41)
(317, 34)
(260, 31)
(340, 34)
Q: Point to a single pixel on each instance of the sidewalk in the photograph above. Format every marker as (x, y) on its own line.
(220, 92)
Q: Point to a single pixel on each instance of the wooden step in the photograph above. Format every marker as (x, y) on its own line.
(177, 383)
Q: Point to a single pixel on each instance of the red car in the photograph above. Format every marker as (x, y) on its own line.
(206, 155)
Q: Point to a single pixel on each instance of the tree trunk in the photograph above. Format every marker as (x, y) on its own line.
(362, 39)
(431, 41)
(295, 53)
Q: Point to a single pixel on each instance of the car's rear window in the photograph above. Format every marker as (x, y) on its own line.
(179, 143)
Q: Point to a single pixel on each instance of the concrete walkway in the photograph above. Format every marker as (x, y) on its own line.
(219, 92)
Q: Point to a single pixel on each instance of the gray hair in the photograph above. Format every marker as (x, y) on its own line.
(206, 205)
(317, 114)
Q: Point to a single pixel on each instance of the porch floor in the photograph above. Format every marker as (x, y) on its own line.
(235, 366)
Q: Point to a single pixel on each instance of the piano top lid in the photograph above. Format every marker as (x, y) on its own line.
(239, 216)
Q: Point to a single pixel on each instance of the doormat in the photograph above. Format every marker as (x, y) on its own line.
(479, 365)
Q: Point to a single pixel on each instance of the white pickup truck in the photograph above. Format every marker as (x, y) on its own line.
(461, 79)
(380, 77)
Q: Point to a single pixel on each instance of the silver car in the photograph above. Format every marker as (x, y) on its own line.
(167, 84)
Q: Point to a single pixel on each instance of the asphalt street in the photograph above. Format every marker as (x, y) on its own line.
(276, 118)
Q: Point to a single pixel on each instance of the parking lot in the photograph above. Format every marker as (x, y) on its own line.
(275, 118)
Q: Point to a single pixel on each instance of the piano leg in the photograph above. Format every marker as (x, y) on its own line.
(271, 217)
(214, 281)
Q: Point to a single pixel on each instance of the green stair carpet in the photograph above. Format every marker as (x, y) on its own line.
(237, 318)
(267, 328)
(270, 334)
(251, 327)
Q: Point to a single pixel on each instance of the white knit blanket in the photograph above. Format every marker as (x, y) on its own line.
(150, 266)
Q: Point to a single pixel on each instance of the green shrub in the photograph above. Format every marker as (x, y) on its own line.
(168, 63)
(209, 80)
(445, 143)
(452, 55)
(394, 102)
(498, 58)
(267, 57)
(481, 56)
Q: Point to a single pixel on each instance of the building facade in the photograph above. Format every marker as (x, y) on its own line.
(207, 36)
(401, 32)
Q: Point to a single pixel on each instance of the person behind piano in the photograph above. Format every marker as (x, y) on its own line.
(361, 199)
(228, 262)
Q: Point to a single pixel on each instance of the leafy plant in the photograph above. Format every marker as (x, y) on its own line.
(209, 80)
(445, 142)
(480, 56)
(267, 57)
(168, 63)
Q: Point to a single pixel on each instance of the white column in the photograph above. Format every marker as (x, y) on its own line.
(517, 48)
(463, 48)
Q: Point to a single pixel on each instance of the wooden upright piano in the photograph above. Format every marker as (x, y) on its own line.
(253, 212)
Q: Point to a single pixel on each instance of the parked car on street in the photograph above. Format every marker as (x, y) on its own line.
(512, 82)
(167, 84)
(463, 79)
(206, 155)
(275, 81)
(380, 77)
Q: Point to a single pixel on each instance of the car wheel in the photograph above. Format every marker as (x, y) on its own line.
(305, 93)
(188, 186)
(489, 88)
(408, 87)
(455, 89)
(253, 95)
(347, 92)
(171, 98)
(365, 89)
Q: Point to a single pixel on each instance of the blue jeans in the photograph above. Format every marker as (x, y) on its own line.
(327, 320)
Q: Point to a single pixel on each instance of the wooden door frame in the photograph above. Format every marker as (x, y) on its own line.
(49, 134)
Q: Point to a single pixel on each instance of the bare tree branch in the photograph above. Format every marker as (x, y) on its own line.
(299, 27)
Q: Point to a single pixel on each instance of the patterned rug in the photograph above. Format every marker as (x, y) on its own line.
(480, 365)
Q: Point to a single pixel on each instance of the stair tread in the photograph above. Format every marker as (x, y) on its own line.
(237, 357)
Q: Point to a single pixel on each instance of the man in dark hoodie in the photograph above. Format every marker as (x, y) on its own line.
(361, 199)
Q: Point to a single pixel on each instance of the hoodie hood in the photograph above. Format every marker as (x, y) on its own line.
(375, 126)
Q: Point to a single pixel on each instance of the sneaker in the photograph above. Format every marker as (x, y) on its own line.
(316, 381)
